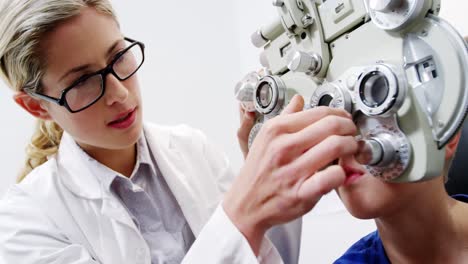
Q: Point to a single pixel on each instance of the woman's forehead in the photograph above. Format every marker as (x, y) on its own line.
(84, 39)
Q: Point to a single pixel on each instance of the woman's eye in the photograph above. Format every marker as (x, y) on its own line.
(81, 83)
(121, 58)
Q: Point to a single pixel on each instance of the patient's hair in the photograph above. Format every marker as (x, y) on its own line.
(448, 163)
(23, 24)
(447, 166)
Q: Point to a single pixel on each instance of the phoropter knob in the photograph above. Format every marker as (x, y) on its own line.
(376, 151)
(244, 91)
(278, 3)
(310, 63)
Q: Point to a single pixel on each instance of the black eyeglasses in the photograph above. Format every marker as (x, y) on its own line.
(89, 88)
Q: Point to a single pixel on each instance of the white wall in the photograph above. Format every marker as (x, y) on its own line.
(196, 52)
(455, 11)
(16, 130)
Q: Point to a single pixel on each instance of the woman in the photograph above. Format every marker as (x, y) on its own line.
(102, 187)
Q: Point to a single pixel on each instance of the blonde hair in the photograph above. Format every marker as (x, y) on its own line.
(23, 24)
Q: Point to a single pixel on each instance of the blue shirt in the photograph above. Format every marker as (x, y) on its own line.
(370, 248)
(151, 204)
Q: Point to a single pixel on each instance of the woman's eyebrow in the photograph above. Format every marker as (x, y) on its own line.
(74, 70)
(111, 49)
(84, 67)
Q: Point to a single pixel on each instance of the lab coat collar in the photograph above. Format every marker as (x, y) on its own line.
(75, 172)
(191, 195)
(106, 176)
(81, 178)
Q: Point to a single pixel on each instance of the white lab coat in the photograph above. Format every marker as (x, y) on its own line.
(61, 214)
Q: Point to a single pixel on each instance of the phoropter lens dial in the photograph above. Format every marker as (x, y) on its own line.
(265, 95)
(374, 89)
(395, 15)
(380, 90)
(331, 95)
(269, 95)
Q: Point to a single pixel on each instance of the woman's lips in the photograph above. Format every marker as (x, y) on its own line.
(352, 175)
(124, 120)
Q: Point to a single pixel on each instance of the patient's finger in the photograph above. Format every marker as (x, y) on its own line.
(295, 105)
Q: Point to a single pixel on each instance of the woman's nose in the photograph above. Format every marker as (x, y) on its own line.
(116, 92)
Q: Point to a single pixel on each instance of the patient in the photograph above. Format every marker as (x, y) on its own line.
(416, 222)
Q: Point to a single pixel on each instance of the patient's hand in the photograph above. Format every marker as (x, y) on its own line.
(247, 120)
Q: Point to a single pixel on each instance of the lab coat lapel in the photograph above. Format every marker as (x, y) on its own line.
(98, 212)
(179, 177)
(112, 209)
(80, 179)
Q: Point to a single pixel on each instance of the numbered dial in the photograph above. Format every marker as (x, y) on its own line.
(253, 133)
(331, 95)
(395, 14)
(384, 5)
(388, 151)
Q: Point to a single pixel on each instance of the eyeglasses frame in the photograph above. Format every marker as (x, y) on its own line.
(109, 69)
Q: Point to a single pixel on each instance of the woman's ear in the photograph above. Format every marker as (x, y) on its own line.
(451, 147)
(31, 105)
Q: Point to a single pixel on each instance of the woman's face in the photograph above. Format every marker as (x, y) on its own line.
(83, 45)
